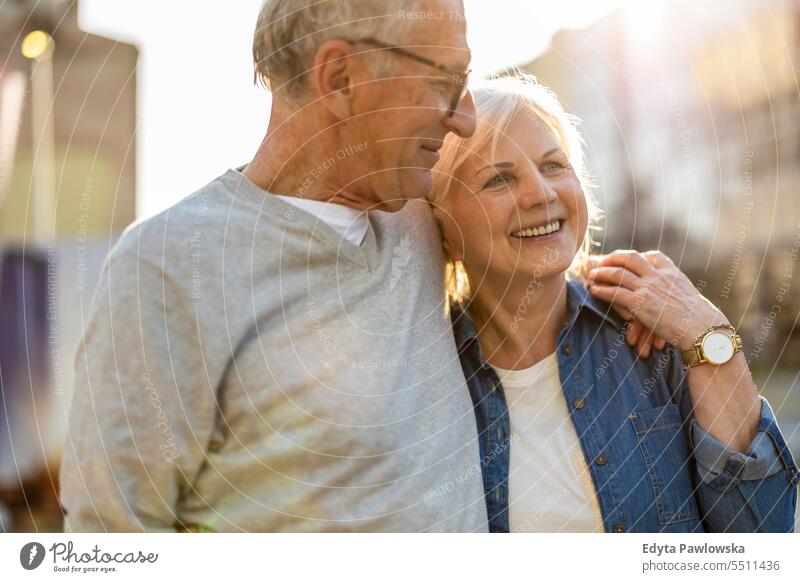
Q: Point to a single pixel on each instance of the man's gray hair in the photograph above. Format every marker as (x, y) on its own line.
(289, 32)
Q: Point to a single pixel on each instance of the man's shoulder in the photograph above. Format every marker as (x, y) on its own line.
(418, 209)
(180, 226)
(416, 219)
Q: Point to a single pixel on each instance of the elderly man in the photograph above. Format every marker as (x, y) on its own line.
(270, 354)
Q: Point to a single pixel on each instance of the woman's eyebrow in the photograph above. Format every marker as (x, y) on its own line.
(500, 165)
(552, 151)
(506, 165)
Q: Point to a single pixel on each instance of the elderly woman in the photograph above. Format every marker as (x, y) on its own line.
(578, 433)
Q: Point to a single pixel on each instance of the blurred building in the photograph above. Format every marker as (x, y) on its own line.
(691, 116)
(67, 189)
(94, 114)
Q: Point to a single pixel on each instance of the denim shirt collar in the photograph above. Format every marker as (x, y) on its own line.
(579, 301)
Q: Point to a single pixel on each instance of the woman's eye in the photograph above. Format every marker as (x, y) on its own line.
(550, 166)
(498, 180)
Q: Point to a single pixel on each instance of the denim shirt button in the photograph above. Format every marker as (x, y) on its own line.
(579, 403)
(566, 350)
(734, 469)
(619, 528)
(601, 460)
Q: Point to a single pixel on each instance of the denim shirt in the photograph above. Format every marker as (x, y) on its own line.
(653, 468)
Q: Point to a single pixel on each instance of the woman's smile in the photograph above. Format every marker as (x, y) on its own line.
(539, 234)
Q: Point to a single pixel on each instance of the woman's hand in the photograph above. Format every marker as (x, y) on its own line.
(651, 289)
(637, 334)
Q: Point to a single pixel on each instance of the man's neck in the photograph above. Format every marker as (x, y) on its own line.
(294, 161)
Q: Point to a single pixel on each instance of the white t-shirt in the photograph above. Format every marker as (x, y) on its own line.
(350, 223)
(550, 488)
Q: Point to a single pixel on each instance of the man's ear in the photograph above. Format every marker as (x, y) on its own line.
(333, 75)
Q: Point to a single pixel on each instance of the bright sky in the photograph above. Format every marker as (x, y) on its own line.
(199, 112)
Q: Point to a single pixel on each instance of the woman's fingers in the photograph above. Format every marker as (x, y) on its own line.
(643, 338)
(614, 294)
(611, 284)
(589, 263)
(644, 344)
(657, 258)
(634, 331)
(654, 290)
(631, 260)
(623, 313)
(615, 276)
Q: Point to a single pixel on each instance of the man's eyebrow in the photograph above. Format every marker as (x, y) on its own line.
(504, 165)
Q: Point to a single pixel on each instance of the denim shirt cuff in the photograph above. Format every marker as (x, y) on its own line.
(762, 459)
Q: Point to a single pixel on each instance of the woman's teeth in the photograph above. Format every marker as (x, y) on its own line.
(539, 230)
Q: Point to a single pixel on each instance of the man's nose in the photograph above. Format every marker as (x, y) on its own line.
(462, 121)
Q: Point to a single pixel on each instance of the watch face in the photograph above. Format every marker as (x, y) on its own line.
(718, 347)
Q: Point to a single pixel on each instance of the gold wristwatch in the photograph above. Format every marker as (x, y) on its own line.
(713, 346)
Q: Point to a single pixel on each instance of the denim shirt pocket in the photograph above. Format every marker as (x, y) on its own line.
(662, 442)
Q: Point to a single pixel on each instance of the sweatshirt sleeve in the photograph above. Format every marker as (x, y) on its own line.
(142, 410)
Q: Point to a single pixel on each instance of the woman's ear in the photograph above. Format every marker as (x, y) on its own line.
(333, 75)
(444, 219)
(451, 250)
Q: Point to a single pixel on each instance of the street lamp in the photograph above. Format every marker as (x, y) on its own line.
(38, 46)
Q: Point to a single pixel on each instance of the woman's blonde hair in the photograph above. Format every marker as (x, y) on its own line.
(497, 101)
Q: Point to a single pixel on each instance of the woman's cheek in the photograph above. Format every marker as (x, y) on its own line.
(582, 215)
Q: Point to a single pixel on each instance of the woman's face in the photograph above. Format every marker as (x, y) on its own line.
(521, 212)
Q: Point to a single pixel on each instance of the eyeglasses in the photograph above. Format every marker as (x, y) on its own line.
(458, 79)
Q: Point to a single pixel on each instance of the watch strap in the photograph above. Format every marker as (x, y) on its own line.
(692, 357)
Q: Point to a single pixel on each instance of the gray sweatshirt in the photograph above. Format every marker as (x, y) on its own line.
(245, 368)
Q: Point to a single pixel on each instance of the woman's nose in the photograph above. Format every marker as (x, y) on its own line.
(535, 190)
